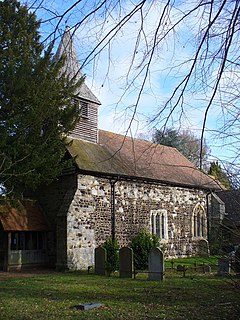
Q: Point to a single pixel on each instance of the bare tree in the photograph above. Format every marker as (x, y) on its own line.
(196, 42)
(185, 141)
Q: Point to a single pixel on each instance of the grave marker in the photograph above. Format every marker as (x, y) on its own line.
(100, 261)
(156, 265)
(126, 262)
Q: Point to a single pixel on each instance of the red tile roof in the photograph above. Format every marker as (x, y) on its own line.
(22, 216)
(116, 154)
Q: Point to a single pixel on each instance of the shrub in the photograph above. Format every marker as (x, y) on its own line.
(112, 248)
(142, 244)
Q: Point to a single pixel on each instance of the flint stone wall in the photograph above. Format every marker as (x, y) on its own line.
(89, 216)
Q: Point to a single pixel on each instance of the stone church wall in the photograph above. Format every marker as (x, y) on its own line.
(89, 216)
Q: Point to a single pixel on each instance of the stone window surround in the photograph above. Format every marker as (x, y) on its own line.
(159, 220)
(199, 225)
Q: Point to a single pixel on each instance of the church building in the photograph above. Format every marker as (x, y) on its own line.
(119, 186)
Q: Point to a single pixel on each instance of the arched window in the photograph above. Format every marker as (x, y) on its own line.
(199, 222)
(159, 223)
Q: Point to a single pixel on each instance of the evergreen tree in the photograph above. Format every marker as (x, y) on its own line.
(142, 244)
(216, 171)
(36, 102)
(112, 249)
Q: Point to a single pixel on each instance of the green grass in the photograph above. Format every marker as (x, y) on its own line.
(197, 296)
(192, 261)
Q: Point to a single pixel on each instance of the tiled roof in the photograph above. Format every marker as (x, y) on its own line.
(123, 156)
(22, 216)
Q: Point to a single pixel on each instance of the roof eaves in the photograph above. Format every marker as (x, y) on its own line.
(122, 177)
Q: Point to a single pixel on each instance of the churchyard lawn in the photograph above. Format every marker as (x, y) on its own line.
(52, 295)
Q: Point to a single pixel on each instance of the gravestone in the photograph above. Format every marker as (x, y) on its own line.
(223, 266)
(100, 261)
(203, 249)
(126, 262)
(156, 265)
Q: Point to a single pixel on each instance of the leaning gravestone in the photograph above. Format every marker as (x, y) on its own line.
(203, 249)
(155, 265)
(126, 262)
(100, 261)
(223, 266)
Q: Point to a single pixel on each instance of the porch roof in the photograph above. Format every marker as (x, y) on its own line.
(23, 215)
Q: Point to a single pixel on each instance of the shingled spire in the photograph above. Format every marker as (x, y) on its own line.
(87, 128)
(72, 66)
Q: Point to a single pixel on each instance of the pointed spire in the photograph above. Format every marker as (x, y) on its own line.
(71, 65)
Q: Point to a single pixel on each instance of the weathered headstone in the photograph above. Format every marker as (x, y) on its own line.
(100, 261)
(203, 250)
(156, 265)
(223, 266)
(126, 262)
